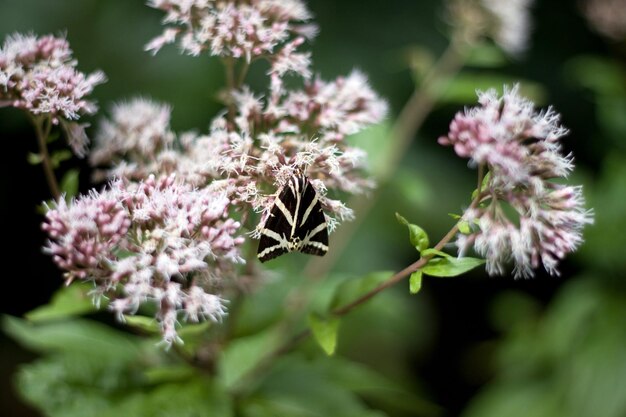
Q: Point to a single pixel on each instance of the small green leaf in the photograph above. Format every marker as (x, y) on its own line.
(59, 156)
(53, 137)
(464, 227)
(415, 282)
(483, 185)
(417, 235)
(194, 329)
(69, 183)
(325, 332)
(450, 266)
(67, 301)
(147, 324)
(434, 252)
(455, 216)
(34, 158)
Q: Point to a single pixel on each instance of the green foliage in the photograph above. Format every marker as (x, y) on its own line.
(417, 235)
(142, 323)
(570, 361)
(329, 387)
(604, 242)
(325, 332)
(415, 282)
(59, 156)
(69, 183)
(75, 336)
(244, 354)
(34, 158)
(486, 56)
(71, 300)
(462, 89)
(450, 266)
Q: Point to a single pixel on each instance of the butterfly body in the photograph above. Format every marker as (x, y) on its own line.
(296, 222)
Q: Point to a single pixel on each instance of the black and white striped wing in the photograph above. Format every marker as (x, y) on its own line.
(311, 230)
(276, 234)
(296, 222)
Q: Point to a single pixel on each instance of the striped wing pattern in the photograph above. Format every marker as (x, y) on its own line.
(296, 222)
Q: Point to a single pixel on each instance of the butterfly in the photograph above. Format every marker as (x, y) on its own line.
(296, 222)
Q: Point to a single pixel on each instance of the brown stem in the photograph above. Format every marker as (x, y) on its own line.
(406, 126)
(42, 129)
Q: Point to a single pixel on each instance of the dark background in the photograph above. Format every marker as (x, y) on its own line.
(370, 35)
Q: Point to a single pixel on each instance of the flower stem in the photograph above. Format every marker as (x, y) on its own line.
(229, 64)
(402, 133)
(42, 129)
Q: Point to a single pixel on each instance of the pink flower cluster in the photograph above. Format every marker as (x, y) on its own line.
(301, 131)
(158, 241)
(521, 150)
(40, 76)
(127, 144)
(249, 30)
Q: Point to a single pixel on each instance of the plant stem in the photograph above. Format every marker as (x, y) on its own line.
(229, 65)
(404, 129)
(42, 129)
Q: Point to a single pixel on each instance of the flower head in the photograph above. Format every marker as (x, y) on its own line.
(507, 22)
(270, 140)
(607, 17)
(157, 241)
(40, 76)
(249, 30)
(522, 214)
(512, 23)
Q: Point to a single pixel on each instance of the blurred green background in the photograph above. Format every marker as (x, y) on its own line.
(476, 346)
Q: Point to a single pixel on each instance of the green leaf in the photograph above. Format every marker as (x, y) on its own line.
(69, 183)
(450, 266)
(74, 336)
(144, 323)
(34, 158)
(297, 387)
(244, 354)
(59, 156)
(374, 386)
(415, 282)
(417, 235)
(325, 332)
(434, 252)
(464, 227)
(72, 300)
(352, 289)
(194, 329)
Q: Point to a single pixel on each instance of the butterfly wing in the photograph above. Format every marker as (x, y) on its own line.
(311, 227)
(276, 233)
